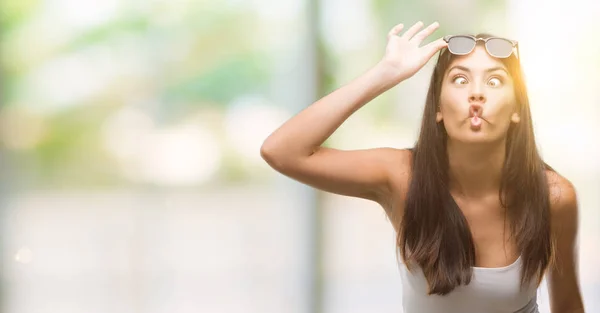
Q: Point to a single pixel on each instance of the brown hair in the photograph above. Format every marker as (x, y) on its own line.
(434, 233)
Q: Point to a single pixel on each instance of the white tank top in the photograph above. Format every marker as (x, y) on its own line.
(491, 290)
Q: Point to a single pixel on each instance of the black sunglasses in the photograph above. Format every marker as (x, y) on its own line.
(495, 46)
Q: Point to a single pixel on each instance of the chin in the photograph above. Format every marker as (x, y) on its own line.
(475, 140)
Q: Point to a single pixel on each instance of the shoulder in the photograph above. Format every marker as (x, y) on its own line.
(563, 279)
(563, 198)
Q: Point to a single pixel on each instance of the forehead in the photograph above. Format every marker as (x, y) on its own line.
(478, 60)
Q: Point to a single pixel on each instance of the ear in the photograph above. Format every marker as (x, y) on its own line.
(515, 118)
(438, 115)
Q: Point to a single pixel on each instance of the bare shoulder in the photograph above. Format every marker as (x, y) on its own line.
(563, 198)
(563, 285)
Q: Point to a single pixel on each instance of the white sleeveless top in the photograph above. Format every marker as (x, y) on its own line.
(491, 290)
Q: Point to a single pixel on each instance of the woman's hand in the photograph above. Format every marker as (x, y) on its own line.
(403, 54)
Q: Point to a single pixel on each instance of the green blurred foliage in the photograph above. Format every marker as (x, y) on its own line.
(206, 54)
(16, 12)
(222, 83)
(218, 62)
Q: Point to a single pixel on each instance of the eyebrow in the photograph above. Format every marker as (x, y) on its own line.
(489, 70)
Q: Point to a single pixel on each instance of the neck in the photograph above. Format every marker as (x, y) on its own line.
(475, 170)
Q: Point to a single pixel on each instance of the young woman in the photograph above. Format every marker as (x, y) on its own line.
(480, 218)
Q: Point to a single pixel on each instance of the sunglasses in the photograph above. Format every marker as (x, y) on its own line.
(495, 46)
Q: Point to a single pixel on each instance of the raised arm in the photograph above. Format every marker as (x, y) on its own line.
(295, 150)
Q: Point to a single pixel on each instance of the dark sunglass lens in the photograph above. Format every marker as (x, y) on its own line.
(500, 48)
(461, 45)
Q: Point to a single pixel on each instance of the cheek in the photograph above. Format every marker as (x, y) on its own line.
(503, 106)
(453, 102)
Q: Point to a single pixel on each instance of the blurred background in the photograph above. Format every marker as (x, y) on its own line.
(130, 130)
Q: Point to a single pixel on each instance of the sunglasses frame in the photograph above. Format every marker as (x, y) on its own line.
(515, 44)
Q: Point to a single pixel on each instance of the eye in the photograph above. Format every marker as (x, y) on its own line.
(461, 80)
(495, 82)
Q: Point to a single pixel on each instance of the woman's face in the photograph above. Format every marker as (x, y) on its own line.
(477, 101)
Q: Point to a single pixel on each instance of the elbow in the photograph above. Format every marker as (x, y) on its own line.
(269, 154)
(281, 158)
(266, 150)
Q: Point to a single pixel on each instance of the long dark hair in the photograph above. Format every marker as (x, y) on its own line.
(433, 232)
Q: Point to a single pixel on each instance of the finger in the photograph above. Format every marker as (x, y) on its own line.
(396, 30)
(434, 46)
(412, 30)
(426, 32)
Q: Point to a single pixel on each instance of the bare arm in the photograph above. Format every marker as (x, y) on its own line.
(295, 150)
(563, 284)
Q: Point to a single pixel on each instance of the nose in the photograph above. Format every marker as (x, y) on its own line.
(476, 93)
(477, 97)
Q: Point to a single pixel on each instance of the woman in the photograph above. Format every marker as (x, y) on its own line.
(480, 218)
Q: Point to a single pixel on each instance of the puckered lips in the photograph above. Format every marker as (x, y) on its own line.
(475, 112)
